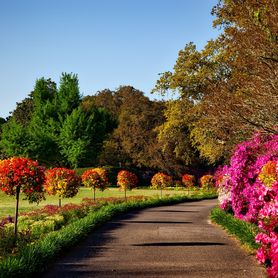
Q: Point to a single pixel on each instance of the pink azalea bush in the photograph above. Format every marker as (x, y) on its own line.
(249, 188)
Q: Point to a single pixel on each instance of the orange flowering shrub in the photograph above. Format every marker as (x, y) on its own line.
(95, 178)
(207, 181)
(24, 174)
(62, 182)
(269, 173)
(188, 180)
(127, 180)
(161, 180)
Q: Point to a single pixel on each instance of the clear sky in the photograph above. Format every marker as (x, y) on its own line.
(108, 43)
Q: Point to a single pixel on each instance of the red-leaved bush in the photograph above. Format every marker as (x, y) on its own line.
(127, 180)
(62, 182)
(188, 180)
(25, 174)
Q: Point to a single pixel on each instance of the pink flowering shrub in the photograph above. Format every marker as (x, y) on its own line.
(249, 186)
(224, 187)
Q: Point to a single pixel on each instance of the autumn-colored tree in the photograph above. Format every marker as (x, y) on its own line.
(95, 178)
(232, 82)
(19, 174)
(207, 181)
(161, 181)
(126, 180)
(62, 182)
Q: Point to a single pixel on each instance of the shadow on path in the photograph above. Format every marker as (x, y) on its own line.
(180, 244)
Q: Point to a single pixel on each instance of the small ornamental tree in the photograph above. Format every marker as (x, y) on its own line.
(126, 180)
(160, 181)
(19, 174)
(95, 178)
(207, 181)
(62, 182)
(188, 181)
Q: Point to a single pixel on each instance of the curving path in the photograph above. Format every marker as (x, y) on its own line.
(169, 241)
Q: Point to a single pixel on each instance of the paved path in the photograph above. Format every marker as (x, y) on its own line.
(169, 241)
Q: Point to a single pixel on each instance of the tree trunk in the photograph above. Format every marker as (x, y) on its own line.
(16, 213)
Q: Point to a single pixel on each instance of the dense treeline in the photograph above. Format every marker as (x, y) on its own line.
(52, 126)
(226, 91)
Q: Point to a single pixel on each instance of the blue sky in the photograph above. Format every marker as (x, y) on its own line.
(108, 43)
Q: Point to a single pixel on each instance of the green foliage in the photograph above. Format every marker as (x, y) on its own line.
(68, 97)
(14, 139)
(56, 129)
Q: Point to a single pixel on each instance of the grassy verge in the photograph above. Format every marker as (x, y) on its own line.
(241, 230)
(34, 258)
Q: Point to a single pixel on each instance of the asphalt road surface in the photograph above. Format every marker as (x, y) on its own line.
(169, 241)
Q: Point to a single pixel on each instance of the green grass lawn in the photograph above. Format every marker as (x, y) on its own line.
(7, 203)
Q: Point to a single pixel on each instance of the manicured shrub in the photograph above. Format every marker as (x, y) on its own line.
(62, 182)
(161, 181)
(126, 180)
(188, 180)
(207, 181)
(19, 174)
(95, 178)
(23, 175)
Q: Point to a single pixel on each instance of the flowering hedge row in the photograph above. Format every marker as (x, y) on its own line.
(249, 187)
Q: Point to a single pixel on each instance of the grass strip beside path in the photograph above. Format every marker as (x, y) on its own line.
(243, 231)
(35, 257)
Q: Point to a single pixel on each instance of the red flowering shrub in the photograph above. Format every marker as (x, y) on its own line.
(161, 180)
(207, 181)
(127, 180)
(62, 182)
(25, 174)
(95, 178)
(188, 180)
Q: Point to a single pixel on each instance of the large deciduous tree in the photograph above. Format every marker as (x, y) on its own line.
(232, 82)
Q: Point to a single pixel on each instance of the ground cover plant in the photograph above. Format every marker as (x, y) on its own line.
(33, 258)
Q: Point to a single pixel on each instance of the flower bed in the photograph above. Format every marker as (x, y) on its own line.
(249, 189)
(33, 225)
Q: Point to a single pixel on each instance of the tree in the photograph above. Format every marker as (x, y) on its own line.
(232, 82)
(14, 139)
(82, 135)
(19, 174)
(68, 96)
(95, 178)
(126, 180)
(62, 182)
(161, 181)
(137, 118)
(56, 129)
